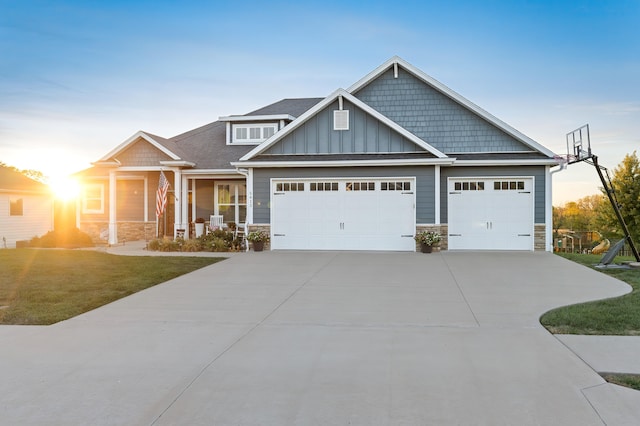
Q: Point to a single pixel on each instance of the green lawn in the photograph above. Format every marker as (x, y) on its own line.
(617, 316)
(46, 286)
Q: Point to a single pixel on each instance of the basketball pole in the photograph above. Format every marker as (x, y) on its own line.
(577, 139)
(616, 207)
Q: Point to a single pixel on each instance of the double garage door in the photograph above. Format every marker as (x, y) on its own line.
(343, 214)
(491, 214)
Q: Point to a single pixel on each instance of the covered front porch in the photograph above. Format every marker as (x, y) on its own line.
(126, 203)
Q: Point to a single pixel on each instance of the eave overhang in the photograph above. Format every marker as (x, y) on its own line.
(249, 118)
(345, 163)
(178, 163)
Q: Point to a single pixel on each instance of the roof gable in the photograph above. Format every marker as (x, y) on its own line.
(138, 145)
(432, 111)
(312, 133)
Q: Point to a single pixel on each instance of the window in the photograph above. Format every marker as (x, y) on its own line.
(509, 185)
(361, 186)
(469, 186)
(93, 198)
(395, 186)
(253, 133)
(290, 186)
(15, 207)
(323, 186)
(231, 200)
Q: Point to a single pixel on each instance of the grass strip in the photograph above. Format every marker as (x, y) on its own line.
(41, 287)
(617, 316)
(628, 380)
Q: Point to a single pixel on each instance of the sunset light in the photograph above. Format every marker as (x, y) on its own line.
(64, 187)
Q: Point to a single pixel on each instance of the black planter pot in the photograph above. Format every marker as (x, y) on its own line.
(425, 248)
(258, 245)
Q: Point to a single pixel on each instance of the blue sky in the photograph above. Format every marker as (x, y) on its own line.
(77, 78)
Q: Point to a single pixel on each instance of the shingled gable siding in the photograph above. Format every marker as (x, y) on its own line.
(366, 134)
(141, 153)
(434, 117)
(538, 173)
(425, 181)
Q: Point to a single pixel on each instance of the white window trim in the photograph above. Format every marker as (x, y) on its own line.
(236, 206)
(85, 210)
(233, 141)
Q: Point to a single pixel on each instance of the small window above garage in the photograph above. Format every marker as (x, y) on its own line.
(253, 129)
(252, 133)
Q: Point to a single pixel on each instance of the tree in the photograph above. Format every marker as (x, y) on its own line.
(625, 181)
(32, 174)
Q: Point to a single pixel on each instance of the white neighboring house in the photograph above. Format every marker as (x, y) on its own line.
(26, 208)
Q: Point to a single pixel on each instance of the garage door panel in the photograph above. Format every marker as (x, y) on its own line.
(356, 216)
(494, 213)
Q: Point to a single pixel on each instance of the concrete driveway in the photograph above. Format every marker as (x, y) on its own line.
(279, 338)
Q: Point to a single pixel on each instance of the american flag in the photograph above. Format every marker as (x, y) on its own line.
(161, 194)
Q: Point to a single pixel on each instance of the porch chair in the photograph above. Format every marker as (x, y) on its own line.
(215, 222)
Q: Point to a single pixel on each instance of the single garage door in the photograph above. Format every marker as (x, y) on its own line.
(343, 214)
(490, 214)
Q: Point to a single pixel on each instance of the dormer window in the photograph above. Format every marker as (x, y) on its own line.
(252, 133)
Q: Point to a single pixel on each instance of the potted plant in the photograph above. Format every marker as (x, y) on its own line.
(427, 240)
(199, 226)
(258, 239)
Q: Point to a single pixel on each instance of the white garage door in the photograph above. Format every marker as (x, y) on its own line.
(343, 214)
(490, 214)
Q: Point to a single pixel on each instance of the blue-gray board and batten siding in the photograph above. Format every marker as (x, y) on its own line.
(537, 172)
(425, 185)
(433, 116)
(366, 134)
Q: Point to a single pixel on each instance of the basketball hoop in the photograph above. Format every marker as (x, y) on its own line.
(578, 145)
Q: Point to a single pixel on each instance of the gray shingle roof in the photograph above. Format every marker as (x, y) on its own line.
(207, 145)
(294, 107)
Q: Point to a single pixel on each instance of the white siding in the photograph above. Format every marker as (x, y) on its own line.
(36, 219)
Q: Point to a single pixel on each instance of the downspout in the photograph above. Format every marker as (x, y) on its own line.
(549, 206)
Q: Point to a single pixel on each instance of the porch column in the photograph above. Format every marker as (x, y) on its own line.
(184, 204)
(113, 226)
(177, 206)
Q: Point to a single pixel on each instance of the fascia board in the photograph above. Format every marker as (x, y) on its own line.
(210, 172)
(45, 191)
(346, 163)
(540, 162)
(243, 118)
(453, 95)
(136, 136)
(180, 163)
(324, 103)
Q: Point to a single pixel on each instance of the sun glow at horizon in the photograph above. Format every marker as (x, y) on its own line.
(64, 187)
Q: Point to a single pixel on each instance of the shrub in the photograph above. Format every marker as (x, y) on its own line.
(192, 245)
(216, 241)
(68, 238)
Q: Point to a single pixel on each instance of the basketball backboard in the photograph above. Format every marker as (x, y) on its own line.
(578, 145)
